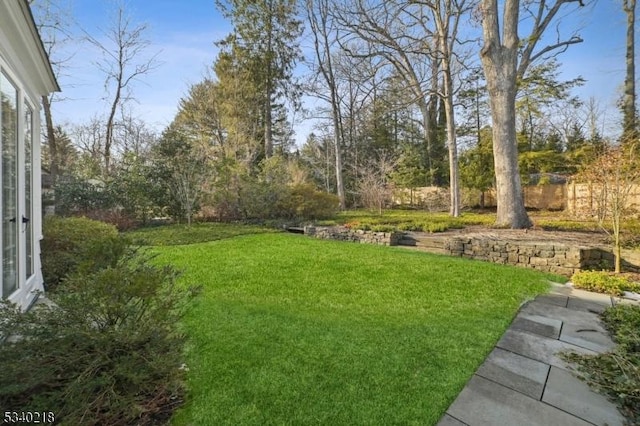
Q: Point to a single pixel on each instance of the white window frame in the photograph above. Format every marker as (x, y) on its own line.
(27, 287)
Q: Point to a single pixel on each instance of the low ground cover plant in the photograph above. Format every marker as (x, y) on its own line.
(407, 220)
(108, 352)
(421, 220)
(606, 282)
(617, 373)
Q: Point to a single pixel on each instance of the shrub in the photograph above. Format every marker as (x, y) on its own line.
(604, 282)
(433, 227)
(109, 353)
(304, 201)
(65, 245)
(352, 225)
(617, 373)
(383, 228)
(409, 226)
(74, 196)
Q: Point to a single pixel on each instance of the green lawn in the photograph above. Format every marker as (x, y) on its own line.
(292, 330)
(180, 234)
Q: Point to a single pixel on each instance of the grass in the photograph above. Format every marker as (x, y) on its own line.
(390, 220)
(180, 234)
(292, 330)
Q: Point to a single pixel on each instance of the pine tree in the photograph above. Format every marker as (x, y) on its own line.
(266, 33)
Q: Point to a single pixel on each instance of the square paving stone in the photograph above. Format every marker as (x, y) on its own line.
(591, 296)
(516, 372)
(590, 336)
(594, 306)
(570, 394)
(553, 299)
(537, 324)
(447, 420)
(539, 348)
(562, 314)
(561, 289)
(623, 301)
(485, 403)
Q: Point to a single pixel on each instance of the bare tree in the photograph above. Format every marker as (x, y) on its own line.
(596, 118)
(419, 40)
(132, 135)
(447, 15)
(89, 139)
(613, 176)
(324, 35)
(124, 61)
(506, 58)
(374, 187)
(186, 186)
(397, 32)
(360, 79)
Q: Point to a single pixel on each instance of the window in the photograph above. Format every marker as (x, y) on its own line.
(16, 180)
(9, 143)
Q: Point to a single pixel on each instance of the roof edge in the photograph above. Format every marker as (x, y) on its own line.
(33, 28)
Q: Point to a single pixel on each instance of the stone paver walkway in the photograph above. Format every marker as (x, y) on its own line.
(524, 382)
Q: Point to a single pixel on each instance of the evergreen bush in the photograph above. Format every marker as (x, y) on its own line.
(109, 352)
(66, 243)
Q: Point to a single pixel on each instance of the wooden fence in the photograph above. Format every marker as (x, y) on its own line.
(433, 198)
(578, 199)
(582, 202)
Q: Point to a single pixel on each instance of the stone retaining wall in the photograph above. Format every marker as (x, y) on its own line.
(549, 257)
(342, 233)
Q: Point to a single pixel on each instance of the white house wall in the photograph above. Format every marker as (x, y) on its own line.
(24, 61)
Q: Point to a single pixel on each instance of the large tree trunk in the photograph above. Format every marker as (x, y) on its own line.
(318, 18)
(426, 129)
(629, 100)
(510, 198)
(499, 60)
(268, 129)
(108, 141)
(454, 188)
(433, 127)
(337, 130)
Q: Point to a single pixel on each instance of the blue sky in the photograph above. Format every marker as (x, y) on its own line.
(184, 31)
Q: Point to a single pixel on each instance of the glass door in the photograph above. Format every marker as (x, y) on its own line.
(27, 227)
(9, 174)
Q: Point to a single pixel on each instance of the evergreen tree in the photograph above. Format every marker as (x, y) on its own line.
(476, 165)
(266, 34)
(240, 106)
